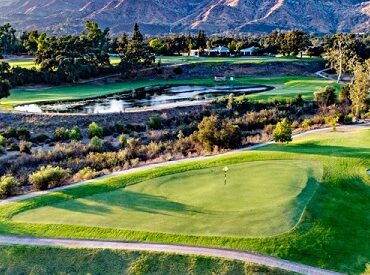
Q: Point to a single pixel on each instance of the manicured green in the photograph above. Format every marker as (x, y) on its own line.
(259, 199)
(46, 260)
(333, 232)
(287, 87)
(172, 60)
(23, 63)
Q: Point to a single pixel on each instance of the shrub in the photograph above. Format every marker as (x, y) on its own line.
(307, 123)
(61, 134)
(122, 139)
(40, 138)
(283, 131)
(348, 119)
(213, 132)
(325, 96)
(25, 147)
(7, 186)
(75, 133)
(2, 141)
(96, 144)
(48, 176)
(332, 121)
(178, 70)
(95, 130)
(86, 173)
(155, 122)
(23, 133)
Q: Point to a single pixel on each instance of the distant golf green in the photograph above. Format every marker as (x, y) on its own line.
(286, 87)
(259, 199)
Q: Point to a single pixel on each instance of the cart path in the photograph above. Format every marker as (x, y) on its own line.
(162, 164)
(166, 248)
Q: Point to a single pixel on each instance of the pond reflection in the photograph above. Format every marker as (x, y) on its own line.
(148, 98)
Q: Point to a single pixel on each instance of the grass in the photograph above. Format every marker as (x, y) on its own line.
(46, 260)
(287, 87)
(173, 60)
(197, 202)
(333, 232)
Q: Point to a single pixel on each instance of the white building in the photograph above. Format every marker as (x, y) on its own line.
(248, 51)
(218, 51)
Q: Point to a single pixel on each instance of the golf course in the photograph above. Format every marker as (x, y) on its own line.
(287, 201)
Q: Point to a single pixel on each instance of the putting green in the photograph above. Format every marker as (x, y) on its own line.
(260, 198)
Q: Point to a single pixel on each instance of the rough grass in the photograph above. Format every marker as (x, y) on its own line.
(333, 232)
(46, 260)
(287, 87)
(260, 198)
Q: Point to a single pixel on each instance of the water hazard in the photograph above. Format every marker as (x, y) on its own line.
(148, 98)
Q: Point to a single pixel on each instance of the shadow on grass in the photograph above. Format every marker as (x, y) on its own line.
(126, 200)
(313, 148)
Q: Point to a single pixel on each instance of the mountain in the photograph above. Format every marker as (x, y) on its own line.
(164, 16)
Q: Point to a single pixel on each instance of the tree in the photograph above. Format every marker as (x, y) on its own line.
(212, 132)
(341, 54)
(122, 43)
(4, 88)
(137, 54)
(283, 131)
(325, 97)
(360, 88)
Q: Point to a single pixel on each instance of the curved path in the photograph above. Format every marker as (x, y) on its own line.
(178, 249)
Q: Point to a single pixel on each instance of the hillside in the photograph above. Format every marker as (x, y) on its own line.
(162, 16)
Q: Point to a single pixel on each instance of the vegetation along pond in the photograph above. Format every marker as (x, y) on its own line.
(151, 98)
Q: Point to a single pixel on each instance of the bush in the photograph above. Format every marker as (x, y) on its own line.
(307, 123)
(48, 176)
(283, 131)
(122, 139)
(95, 130)
(178, 70)
(7, 186)
(348, 119)
(325, 96)
(61, 134)
(75, 134)
(155, 122)
(2, 141)
(23, 133)
(86, 173)
(96, 144)
(25, 147)
(213, 132)
(40, 138)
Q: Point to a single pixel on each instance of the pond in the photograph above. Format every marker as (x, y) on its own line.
(147, 98)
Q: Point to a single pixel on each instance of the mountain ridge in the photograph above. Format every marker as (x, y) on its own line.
(162, 16)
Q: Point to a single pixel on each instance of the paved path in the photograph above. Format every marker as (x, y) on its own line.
(178, 249)
(119, 173)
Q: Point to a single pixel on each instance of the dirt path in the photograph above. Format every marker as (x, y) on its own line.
(178, 249)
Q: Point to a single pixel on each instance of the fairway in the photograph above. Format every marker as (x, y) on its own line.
(260, 198)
